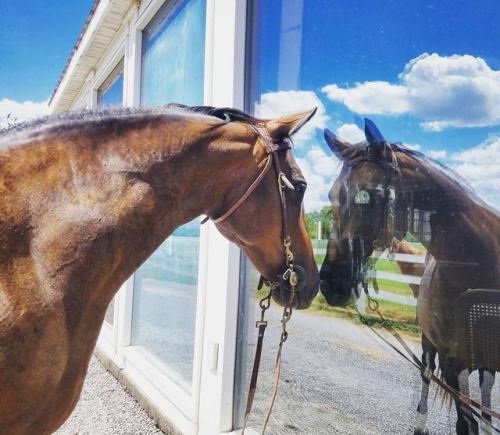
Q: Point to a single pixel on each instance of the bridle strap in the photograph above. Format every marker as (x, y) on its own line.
(270, 148)
(247, 193)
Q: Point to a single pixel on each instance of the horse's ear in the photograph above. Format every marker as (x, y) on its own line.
(338, 147)
(372, 133)
(288, 125)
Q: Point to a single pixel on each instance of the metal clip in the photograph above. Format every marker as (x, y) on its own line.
(294, 279)
(288, 252)
(264, 304)
(287, 314)
(285, 182)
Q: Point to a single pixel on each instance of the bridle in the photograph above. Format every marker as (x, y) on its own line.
(293, 274)
(393, 216)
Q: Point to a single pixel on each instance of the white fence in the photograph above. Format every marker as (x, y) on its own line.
(389, 276)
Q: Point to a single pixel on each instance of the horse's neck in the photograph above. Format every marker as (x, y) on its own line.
(175, 184)
(468, 232)
(105, 208)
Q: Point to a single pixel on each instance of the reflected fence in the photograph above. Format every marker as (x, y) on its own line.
(394, 285)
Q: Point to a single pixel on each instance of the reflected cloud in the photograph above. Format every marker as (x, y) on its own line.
(275, 104)
(443, 91)
(351, 133)
(480, 166)
(319, 169)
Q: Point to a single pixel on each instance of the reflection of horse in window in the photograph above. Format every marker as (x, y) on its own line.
(383, 190)
(86, 198)
(486, 376)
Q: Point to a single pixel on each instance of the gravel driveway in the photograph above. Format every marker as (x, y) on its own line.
(337, 378)
(105, 408)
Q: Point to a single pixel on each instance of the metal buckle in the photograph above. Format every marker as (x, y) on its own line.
(283, 181)
(260, 322)
(289, 255)
(286, 275)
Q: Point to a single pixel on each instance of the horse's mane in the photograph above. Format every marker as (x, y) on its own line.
(362, 152)
(70, 119)
(66, 121)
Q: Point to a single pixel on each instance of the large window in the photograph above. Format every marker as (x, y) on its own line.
(165, 287)
(173, 54)
(427, 74)
(110, 93)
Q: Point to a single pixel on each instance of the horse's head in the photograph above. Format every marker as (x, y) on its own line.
(368, 211)
(267, 219)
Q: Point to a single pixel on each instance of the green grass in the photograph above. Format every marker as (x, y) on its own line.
(397, 288)
(383, 265)
(319, 259)
(387, 266)
(319, 243)
(400, 317)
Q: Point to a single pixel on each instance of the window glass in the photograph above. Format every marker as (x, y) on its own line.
(111, 91)
(426, 75)
(165, 287)
(173, 52)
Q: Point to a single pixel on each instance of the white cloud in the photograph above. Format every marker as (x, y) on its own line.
(437, 154)
(350, 133)
(320, 170)
(413, 146)
(21, 111)
(276, 104)
(435, 126)
(480, 166)
(443, 91)
(379, 98)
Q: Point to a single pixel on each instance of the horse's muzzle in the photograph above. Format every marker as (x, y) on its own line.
(303, 293)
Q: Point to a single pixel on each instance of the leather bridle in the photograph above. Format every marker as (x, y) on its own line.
(292, 271)
(293, 274)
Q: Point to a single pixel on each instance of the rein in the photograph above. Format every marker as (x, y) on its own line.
(467, 402)
(290, 274)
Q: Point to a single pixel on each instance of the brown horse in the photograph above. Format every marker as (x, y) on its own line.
(381, 188)
(87, 198)
(429, 352)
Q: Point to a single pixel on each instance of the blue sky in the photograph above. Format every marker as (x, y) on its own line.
(427, 72)
(36, 38)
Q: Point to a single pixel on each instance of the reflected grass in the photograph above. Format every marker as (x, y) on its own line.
(383, 265)
(400, 317)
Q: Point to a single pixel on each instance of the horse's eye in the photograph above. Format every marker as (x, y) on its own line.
(300, 186)
(362, 197)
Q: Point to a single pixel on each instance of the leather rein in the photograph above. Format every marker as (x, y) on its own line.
(291, 271)
(474, 407)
